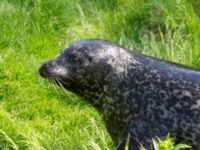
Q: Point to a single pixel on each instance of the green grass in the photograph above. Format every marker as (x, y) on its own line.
(36, 115)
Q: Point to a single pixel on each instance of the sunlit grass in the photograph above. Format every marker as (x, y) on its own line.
(36, 115)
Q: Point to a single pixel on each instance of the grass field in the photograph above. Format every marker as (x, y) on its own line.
(34, 114)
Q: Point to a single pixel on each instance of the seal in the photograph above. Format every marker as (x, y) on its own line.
(139, 97)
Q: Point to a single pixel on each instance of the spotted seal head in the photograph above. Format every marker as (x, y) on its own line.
(86, 67)
(139, 97)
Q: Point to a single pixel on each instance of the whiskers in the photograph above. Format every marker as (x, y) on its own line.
(60, 80)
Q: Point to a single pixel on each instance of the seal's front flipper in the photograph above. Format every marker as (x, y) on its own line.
(142, 133)
(134, 144)
(124, 142)
(121, 145)
(128, 143)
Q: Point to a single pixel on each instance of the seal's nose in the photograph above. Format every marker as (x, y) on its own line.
(47, 68)
(43, 71)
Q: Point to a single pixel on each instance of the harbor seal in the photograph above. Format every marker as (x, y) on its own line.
(139, 97)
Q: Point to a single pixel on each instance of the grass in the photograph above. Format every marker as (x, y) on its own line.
(36, 115)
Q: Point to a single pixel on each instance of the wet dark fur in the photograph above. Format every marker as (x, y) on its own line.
(137, 95)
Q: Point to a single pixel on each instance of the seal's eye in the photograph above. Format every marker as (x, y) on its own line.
(74, 58)
(90, 59)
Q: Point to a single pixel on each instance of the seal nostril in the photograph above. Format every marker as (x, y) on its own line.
(50, 64)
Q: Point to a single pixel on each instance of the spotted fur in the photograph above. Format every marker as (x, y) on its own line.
(137, 95)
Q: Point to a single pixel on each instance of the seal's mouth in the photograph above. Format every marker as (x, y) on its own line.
(45, 71)
(61, 80)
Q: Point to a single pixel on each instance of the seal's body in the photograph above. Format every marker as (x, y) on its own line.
(139, 97)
